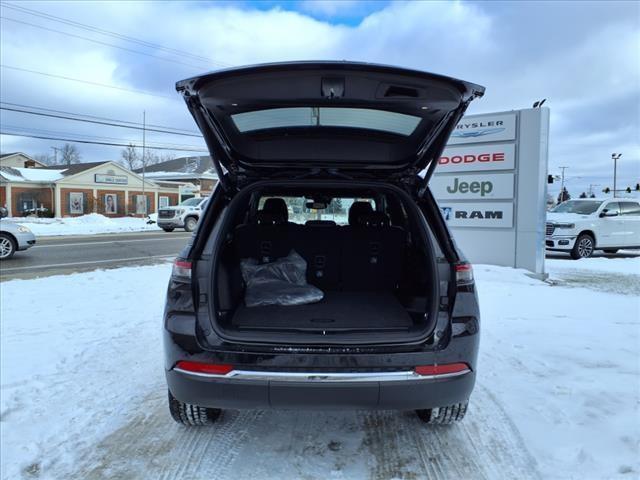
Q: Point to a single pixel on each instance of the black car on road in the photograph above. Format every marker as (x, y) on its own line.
(328, 162)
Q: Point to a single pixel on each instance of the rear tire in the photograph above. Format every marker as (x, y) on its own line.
(443, 415)
(191, 415)
(584, 246)
(611, 251)
(190, 224)
(168, 229)
(7, 246)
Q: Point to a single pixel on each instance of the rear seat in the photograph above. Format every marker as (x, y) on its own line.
(267, 238)
(366, 255)
(372, 250)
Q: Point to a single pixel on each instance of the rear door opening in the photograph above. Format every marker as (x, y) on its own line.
(367, 249)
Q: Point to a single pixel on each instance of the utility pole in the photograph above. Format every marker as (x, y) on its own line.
(615, 157)
(562, 183)
(591, 185)
(55, 154)
(144, 160)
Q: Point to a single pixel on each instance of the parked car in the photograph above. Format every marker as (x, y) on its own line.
(185, 215)
(583, 226)
(14, 237)
(397, 326)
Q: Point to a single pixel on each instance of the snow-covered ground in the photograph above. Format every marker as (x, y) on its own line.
(90, 224)
(83, 395)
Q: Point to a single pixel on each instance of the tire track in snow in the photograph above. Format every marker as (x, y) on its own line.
(255, 445)
(486, 445)
(153, 446)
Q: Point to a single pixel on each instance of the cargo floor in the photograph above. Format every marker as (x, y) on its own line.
(336, 311)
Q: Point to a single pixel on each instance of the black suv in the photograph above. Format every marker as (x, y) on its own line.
(328, 161)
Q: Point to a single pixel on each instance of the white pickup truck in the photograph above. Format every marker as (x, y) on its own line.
(582, 226)
(185, 215)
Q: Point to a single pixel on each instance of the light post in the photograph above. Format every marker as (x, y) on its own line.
(562, 184)
(615, 157)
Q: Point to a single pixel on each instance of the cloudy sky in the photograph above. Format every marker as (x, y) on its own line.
(583, 57)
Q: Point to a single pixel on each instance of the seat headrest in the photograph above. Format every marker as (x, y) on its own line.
(374, 219)
(276, 206)
(268, 218)
(320, 223)
(357, 210)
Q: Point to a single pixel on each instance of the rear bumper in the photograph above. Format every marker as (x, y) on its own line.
(281, 391)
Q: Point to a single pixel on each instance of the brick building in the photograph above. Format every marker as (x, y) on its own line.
(77, 189)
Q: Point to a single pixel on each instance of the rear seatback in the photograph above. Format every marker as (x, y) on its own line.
(366, 255)
(267, 238)
(320, 245)
(372, 253)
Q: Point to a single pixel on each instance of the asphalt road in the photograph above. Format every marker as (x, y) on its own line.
(69, 254)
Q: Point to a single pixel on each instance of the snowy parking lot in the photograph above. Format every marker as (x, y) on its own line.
(558, 393)
(90, 224)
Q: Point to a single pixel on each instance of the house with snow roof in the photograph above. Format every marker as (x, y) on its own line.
(77, 189)
(197, 171)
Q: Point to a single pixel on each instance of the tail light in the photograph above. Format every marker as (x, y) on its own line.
(208, 368)
(181, 269)
(445, 369)
(464, 273)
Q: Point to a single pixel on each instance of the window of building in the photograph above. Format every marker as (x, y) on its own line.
(142, 204)
(163, 201)
(26, 202)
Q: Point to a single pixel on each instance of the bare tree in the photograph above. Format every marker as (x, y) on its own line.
(151, 158)
(129, 156)
(69, 154)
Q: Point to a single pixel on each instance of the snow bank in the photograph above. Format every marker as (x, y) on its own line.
(91, 224)
(78, 354)
(82, 387)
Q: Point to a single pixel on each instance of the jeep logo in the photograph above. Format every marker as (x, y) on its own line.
(488, 214)
(483, 188)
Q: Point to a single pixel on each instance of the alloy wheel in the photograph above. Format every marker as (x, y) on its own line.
(585, 247)
(6, 247)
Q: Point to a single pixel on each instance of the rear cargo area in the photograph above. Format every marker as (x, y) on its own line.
(371, 270)
(337, 311)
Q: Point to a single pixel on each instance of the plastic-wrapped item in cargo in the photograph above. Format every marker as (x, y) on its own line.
(281, 282)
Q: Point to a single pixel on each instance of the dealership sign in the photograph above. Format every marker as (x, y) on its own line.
(476, 158)
(490, 183)
(473, 186)
(481, 214)
(111, 179)
(484, 128)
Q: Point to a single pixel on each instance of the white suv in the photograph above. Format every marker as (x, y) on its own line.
(185, 215)
(581, 226)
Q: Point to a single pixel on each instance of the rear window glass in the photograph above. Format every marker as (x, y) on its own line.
(337, 210)
(630, 208)
(365, 118)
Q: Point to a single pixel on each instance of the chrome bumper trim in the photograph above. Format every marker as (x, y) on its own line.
(322, 377)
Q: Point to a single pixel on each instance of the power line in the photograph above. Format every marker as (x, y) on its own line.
(21, 129)
(96, 117)
(109, 33)
(97, 122)
(88, 82)
(43, 137)
(130, 50)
